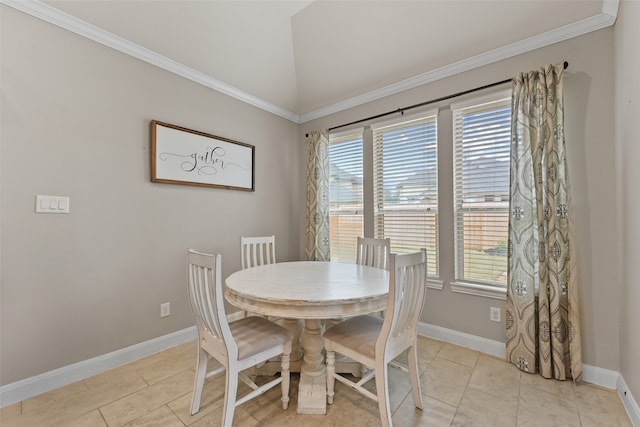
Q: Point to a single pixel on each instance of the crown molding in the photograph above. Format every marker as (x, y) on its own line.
(610, 7)
(606, 18)
(35, 8)
(61, 19)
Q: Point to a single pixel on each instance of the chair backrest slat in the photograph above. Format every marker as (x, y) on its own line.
(373, 252)
(255, 251)
(407, 287)
(204, 280)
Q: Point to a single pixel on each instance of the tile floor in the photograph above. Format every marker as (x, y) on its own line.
(460, 387)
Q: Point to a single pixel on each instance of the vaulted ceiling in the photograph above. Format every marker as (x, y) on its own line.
(303, 59)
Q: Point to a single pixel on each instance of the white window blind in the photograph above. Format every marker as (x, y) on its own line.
(406, 187)
(345, 195)
(482, 136)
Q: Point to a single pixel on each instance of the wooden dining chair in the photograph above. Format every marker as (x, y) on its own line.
(255, 251)
(236, 345)
(373, 252)
(375, 342)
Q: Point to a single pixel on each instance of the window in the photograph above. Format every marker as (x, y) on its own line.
(406, 186)
(482, 134)
(345, 195)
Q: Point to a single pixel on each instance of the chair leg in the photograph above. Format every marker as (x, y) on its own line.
(331, 372)
(198, 383)
(363, 370)
(286, 376)
(382, 382)
(415, 376)
(230, 395)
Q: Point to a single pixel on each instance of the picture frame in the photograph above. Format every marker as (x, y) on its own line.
(189, 157)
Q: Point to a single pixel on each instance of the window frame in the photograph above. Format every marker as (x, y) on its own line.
(409, 122)
(465, 285)
(337, 138)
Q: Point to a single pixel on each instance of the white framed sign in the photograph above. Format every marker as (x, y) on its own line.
(188, 157)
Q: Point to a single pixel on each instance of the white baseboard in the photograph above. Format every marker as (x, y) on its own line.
(615, 381)
(484, 345)
(29, 387)
(599, 376)
(630, 404)
(591, 374)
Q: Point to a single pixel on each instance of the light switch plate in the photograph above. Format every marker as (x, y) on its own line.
(52, 204)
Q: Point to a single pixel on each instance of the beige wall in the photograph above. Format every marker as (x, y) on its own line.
(75, 122)
(627, 34)
(590, 128)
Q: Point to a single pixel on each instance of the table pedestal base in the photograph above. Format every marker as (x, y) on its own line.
(312, 389)
(312, 395)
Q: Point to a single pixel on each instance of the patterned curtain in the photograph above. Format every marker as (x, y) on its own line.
(317, 221)
(543, 323)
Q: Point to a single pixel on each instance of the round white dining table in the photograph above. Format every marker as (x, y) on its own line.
(312, 291)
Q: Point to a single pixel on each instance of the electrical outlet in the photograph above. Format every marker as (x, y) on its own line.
(165, 309)
(494, 314)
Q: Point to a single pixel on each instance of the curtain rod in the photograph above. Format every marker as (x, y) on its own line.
(444, 98)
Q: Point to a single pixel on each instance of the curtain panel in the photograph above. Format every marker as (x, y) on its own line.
(542, 317)
(317, 210)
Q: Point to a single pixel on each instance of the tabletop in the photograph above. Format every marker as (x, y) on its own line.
(309, 289)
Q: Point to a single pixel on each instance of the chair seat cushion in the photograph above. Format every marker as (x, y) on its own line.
(358, 333)
(255, 334)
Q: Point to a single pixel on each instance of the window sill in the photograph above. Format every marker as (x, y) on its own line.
(435, 284)
(479, 290)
